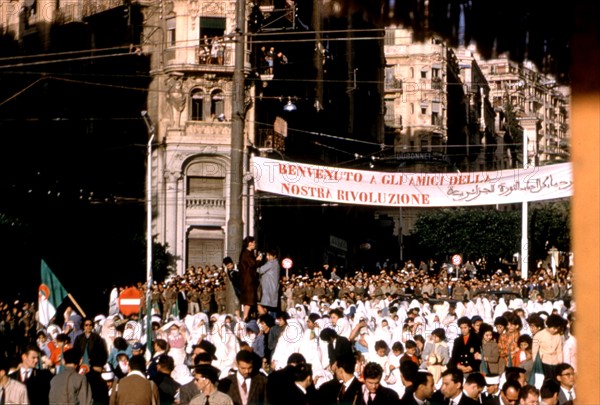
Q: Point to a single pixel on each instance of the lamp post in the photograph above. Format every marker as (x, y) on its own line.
(151, 129)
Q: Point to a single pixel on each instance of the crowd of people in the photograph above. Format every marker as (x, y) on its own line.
(411, 334)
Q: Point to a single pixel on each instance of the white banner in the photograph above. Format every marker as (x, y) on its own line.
(391, 189)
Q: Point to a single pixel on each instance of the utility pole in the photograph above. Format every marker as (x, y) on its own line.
(236, 175)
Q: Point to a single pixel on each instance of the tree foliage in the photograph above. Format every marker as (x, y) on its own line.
(549, 225)
(486, 232)
(472, 232)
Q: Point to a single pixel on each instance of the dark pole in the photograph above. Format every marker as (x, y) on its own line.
(236, 176)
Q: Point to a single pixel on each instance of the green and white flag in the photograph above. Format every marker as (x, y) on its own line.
(536, 378)
(50, 295)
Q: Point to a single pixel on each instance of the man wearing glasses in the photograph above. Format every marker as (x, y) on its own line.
(565, 375)
(91, 345)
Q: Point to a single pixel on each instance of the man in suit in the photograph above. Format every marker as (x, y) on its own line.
(280, 382)
(549, 392)
(337, 346)
(474, 385)
(135, 388)
(36, 380)
(160, 347)
(375, 393)
(422, 391)
(492, 385)
(529, 395)
(452, 389)
(302, 391)
(509, 395)
(344, 389)
(245, 386)
(167, 386)
(465, 347)
(565, 375)
(11, 390)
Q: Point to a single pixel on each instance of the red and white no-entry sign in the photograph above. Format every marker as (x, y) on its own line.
(130, 300)
(287, 263)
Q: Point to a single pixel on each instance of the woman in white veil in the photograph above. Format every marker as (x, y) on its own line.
(289, 341)
(226, 343)
(197, 326)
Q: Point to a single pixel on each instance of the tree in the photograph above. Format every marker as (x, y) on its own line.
(473, 232)
(163, 262)
(549, 224)
(485, 232)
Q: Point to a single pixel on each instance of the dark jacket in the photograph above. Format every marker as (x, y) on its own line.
(257, 394)
(464, 353)
(342, 347)
(330, 393)
(38, 385)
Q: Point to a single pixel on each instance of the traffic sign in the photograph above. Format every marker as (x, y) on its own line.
(130, 300)
(287, 263)
(457, 260)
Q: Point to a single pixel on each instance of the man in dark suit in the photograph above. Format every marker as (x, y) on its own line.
(302, 391)
(280, 382)
(375, 394)
(465, 347)
(36, 380)
(344, 389)
(492, 390)
(451, 392)
(337, 346)
(423, 389)
(510, 393)
(245, 386)
(167, 386)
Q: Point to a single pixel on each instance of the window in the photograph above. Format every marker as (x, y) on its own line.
(390, 37)
(412, 72)
(412, 108)
(389, 112)
(197, 105)
(211, 27)
(208, 187)
(171, 37)
(217, 103)
(424, 73)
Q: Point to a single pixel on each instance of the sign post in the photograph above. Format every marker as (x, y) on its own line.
(287, 264)
(457, 261)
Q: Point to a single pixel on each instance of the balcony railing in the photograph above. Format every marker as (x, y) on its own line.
(204, 202)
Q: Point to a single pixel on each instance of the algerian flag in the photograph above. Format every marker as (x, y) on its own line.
(536, 378)
(50, 295)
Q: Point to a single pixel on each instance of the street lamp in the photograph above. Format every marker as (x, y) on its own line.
(151, 130)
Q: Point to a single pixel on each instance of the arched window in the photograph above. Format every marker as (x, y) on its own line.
(197, 109)
(412, 72)
(217, 104)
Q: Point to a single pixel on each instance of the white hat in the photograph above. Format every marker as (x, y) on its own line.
(107, 373)
(492, 380)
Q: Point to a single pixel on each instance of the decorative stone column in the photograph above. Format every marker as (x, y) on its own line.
(172, 186)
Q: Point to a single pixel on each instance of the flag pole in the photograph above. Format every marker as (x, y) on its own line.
(76, 305)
